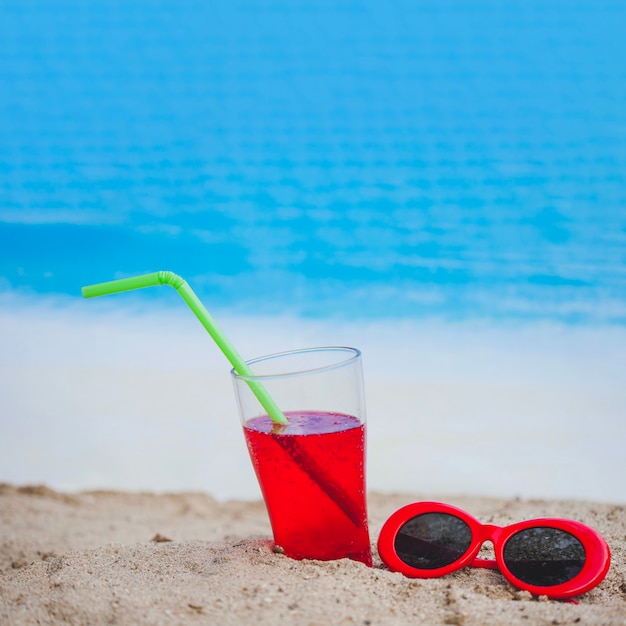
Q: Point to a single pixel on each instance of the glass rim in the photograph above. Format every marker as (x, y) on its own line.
(354, 354)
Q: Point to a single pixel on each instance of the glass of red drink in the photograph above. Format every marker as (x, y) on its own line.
(311, 470)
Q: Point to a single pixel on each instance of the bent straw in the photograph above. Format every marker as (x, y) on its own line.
(188, 295)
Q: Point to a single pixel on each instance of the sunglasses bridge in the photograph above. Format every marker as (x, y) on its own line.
(489, 533)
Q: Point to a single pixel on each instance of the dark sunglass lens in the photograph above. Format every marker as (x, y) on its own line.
(433, 540)
(544, 556)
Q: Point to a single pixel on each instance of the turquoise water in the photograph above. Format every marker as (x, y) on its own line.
(368, 159)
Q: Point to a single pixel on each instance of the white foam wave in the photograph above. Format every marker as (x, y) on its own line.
(101, 394)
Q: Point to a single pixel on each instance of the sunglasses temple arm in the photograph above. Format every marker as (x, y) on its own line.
(484, 563)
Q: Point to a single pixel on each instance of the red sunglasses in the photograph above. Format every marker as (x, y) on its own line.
(557, 558)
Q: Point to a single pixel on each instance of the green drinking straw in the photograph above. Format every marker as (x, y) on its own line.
(187, 294)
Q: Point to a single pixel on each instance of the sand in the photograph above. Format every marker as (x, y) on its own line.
(185, 558)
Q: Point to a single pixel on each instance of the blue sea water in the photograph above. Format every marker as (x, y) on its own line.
(355, 158)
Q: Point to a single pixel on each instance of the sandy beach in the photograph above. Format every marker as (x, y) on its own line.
(140, 558)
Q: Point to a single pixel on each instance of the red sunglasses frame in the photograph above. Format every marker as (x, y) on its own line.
(597, 562)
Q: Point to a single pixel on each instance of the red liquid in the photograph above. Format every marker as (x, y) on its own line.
(312, 475)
